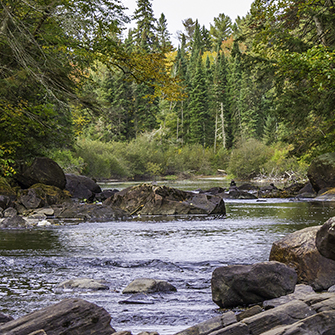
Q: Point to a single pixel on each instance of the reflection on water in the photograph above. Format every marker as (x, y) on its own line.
(181, 250)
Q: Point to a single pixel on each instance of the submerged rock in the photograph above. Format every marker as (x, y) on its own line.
(149, 199)
(238, 285)
(84, 284)
(147, 285)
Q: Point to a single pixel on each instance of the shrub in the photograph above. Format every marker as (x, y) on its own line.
(68, 161)
(247, 160)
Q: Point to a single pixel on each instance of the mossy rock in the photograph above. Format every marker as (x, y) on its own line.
(5, 188)
(40, 195)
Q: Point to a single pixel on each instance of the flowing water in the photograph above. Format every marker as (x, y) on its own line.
(181, 250)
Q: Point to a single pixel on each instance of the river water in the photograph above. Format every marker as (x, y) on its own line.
(181, 250)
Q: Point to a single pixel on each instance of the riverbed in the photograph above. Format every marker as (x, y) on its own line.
(181, 250)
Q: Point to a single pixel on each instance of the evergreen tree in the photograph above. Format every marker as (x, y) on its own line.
(163, 34)
(206, 39)
(201, 125)
(220, 30)
(145, 31)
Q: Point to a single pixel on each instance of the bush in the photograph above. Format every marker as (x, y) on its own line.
(68, 161)
(100, 160)
(248, 159)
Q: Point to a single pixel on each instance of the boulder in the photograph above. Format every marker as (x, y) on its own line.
(81, 187)
(150, 199)
(40, 195)
(211, 325)
(84, 284)
(88, 212)
(15, 222)
(147, 285)
(299, 251)
(326, 195)
(321, 172)
(70, 316)
(325, 239)
(105, 194)
(300, 293)
(5, 318)
(238, 285)
(43, 170)
(307, 191)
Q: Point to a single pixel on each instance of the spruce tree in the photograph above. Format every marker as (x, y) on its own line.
(145, 31)
(163, 34)
(201, 125)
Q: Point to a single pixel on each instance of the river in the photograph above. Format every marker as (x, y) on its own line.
(181, 250)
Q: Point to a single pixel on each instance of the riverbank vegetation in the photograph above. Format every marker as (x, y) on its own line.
(250, 98)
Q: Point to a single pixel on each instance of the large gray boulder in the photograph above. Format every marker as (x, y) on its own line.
(84, 284)
(238, 285)
(81, 187)
(70, 317)
(150, 199)
(325, 239)
(299, 251)
(43, 170)
(321, 172)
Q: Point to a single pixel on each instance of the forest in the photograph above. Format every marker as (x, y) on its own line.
(249, 98)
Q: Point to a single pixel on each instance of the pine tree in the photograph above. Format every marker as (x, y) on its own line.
(206, 39)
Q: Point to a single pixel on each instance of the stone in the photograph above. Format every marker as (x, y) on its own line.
(249, 312)
(299, 251)
(321, 172)
(321, 323)
(81, 187)
(41, 195)
(5, 318)
(9, 212)
(150, 199)
(43, 170)
(147, 285)
(325, 239)
(282, 315)
(211, 325)
(6, 201)
(70, 316)
(138, 299)
(89, 212)
(84, 284)
(15, 222)
(38, 332)
(300, 293)
(240, 285)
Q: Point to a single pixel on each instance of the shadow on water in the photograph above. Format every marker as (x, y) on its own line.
(22, 240)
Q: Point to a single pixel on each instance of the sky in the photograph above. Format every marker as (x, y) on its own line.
(205, 11)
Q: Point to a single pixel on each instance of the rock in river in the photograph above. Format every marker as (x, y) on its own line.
(238, 285)
(70, 316)
(325, 239)
(149, 199)
(147, 285)
(299, 251)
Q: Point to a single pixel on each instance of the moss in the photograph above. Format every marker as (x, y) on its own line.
(5, 188)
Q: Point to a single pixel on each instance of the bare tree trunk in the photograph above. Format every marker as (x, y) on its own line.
(223, 127)
(216, 131)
